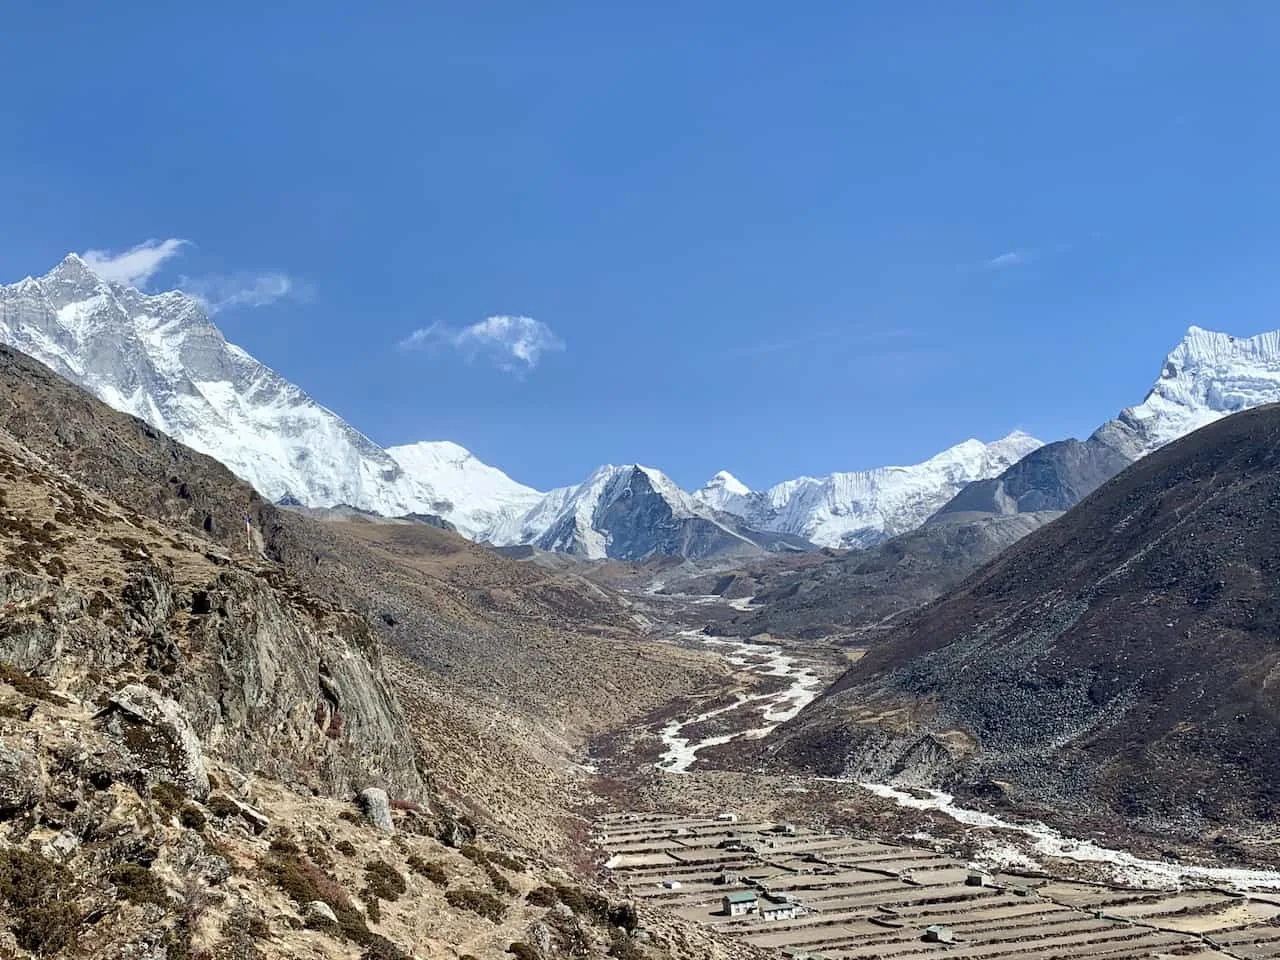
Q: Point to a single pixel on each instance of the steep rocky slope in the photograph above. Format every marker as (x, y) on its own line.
(1117, 663)
(184, 727)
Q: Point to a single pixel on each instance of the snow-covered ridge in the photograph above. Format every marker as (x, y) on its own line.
(1206, 377)
(158, 357)
(860, 508)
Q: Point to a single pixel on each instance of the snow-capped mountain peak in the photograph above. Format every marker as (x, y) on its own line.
(628, 512)
(1207, 376)
(861, 508)
(724, 491)
(481, 497)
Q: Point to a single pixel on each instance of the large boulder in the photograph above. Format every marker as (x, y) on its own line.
(156, 731)
(376, 806)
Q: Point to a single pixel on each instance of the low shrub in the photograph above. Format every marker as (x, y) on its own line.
(137, 884)
(478, 902)
(384, 881)
(303, 881)
(223, 807)
(346, 848)
(623, 947)
(433, 870)
(542, 897)
(192, 817)
(380, 948)
(585, 903)
(170, 796)
(506, 861)
(40, 896)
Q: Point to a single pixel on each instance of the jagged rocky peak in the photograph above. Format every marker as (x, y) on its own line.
(628, 512)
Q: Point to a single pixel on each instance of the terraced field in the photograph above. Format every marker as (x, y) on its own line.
(862, 899)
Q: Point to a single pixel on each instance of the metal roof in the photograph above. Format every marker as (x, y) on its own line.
(742, 896)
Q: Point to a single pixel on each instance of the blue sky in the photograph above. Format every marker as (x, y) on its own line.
(774, 239)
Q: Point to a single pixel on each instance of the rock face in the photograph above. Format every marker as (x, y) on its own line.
(1117, 662)
(21, 782)
(242, 661)
(1055, 477)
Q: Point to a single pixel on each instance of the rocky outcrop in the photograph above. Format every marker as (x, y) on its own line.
(21, 781)
(213, 656)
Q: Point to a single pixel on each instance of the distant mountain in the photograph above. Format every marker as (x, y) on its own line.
(633, 513)
(865, 507)
(159, 358)
(481, 497)
(1206, 377)
(1118, 662)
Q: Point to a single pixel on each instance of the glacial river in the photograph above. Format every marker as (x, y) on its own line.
(755, 714)
(1049, 843)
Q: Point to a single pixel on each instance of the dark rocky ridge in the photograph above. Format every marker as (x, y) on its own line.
(1055, 477)
(839, 594)
(1119, 661)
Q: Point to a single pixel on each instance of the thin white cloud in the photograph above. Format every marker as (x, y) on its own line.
(1014, 258)
(512, 343)
(135, 266)
(219, 292)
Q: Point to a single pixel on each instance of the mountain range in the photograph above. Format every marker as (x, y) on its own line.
(160, 357)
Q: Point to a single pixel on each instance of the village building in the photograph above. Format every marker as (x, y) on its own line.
(739, 904)
(977, 878)
(779, 909)
(937, 933)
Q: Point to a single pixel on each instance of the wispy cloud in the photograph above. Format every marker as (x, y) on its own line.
(135, 266)
(513, 344)
(218, 292)
(1014, 258)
